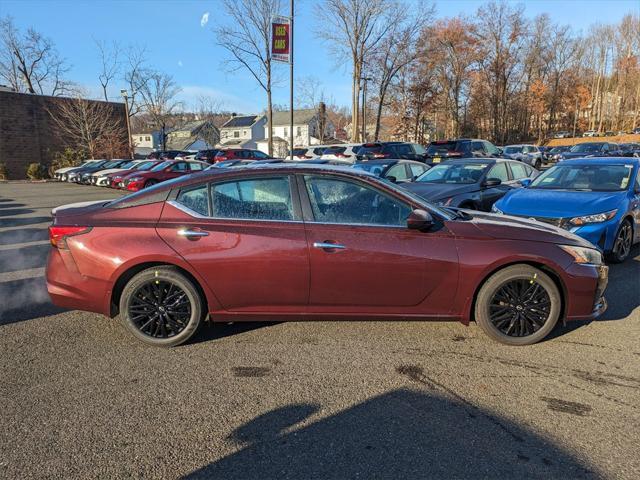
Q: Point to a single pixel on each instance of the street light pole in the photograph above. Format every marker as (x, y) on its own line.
(291, 81)
(125, 96)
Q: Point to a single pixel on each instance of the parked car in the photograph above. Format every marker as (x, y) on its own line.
(302, 153)
(62, 173)
(597, 199)
(70, 175)
(629, 149)
(529, 154)
(312, 242)
(442, 150)
(186, 156)
(172, 154)
(101, 178)
(544, 150)
(395, 170)
(163, 171)
(636, 131)
(207, 155)
(591, 149)
(115, 179)
(471, 183)
(562, 134)
(240, 154)
(591, 133)
(400, 150)
(341, 152)
(555, 153)
(85, 177)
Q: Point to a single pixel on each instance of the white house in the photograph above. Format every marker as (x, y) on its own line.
(242, 131)
(193, 136)
(306, 130)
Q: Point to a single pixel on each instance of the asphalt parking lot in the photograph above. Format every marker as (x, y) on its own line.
(82, 399)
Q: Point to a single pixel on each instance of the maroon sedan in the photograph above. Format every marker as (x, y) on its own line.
(116, 178)
(309, 242)
(162, 171)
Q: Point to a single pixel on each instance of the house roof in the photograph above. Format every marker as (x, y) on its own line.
(241, 121)
(193, 126)
(300, 117)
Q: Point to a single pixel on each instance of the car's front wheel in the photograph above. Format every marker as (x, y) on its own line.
(622, 244)
(161, 306)
(518, 305)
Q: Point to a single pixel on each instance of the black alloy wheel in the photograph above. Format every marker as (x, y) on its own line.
(623, 242)
(519, 307)
(161, 306)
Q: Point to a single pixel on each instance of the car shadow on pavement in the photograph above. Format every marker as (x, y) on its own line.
(9, 212)
(400, 434)
(25, 299)
(23, 235)
(215, 331)
(11, 205)
(19, 222)
(16, 259)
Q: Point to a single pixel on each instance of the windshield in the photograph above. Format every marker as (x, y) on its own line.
(110, 165)
(585, 178)
(512, 149)
(161, 166)
(143, 166)
(443, 147)
(456, 173)
(558, 149)
(586, 147)
(375, 168)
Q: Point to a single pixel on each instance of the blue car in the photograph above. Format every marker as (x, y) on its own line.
(595, 198)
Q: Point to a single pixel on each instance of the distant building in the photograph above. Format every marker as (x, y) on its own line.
(193, 136)
(306, 127)
(146, 140)
(242, 131)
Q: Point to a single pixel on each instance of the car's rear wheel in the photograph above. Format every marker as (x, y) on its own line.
(161, 306)
(150, 183)
(518, 305)
(622, 244)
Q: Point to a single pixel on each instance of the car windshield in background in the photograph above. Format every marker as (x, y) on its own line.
(586, 148)
(334, 150)
(513, 150)
(585, 178)
(375, 168)
(458, 173)
(109, 165)
(161, 166)
(128, 165)
(363, 150)
(558, 149)
(143, 166)
(442, 148)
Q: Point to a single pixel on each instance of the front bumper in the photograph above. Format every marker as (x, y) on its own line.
(586, 299)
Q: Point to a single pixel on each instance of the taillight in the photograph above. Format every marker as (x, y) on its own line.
(379, 155)
(57, 235)
(342, 155)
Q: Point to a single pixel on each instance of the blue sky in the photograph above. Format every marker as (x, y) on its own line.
(177, 43)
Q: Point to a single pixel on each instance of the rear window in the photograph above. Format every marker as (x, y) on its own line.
(333, 150)
(373, 148)
(446, 147)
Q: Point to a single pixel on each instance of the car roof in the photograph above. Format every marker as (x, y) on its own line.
(475, 160)
(602, 161)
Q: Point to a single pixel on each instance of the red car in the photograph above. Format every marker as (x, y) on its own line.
(116, 178)
(314, 242)
(162, 171)
(239, 154)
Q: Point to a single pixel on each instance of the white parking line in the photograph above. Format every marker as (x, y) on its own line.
(21, 275)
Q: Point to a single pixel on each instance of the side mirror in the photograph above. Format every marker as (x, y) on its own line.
(391, 178)
(525, 182)
(419, 220)
(492, 182)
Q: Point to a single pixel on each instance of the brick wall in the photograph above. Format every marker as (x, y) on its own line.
(28, 134)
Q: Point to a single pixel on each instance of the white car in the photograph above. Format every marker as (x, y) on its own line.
(341, 152)
(529, 154)
(186, 156)
(59, 174)
(100, 179)
(590, 133)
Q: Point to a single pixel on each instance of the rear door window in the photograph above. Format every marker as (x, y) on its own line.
(195, 198)
(499, 171)
(179, 167)
(399, 171)
(417, 170)
(253, 199)
(519, 170)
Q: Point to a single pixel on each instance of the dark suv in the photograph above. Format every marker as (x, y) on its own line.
(441, 150)
(401, 150)
(240, 154)
(206, 155)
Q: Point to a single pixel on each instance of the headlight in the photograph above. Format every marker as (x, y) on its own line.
(584, 255)
(495, 209)
(597, 218)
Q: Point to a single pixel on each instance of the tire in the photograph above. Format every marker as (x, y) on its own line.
(150, 183)
(622, 243)
(537, 164)
(172, 320)
(492, 307)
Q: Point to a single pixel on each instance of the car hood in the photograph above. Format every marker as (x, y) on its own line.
(505, 227)
(438, 191)
(108, 171)
(537, 202)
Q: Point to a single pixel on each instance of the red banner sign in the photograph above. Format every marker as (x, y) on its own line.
(280, 40)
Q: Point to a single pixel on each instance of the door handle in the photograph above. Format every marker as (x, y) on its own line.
(328, 246)
(192, 234)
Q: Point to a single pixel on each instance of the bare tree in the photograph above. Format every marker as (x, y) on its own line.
(136, 76)
(30, 62)
(109, 64)
(309, 91)
(90, 125)
(246, 38)
(353, 29)
(158, 98)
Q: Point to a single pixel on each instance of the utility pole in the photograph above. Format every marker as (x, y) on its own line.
(125, 97)
(291, 81)
(575, 118)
